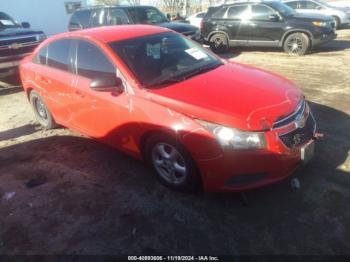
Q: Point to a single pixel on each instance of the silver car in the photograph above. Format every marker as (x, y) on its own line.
(340, 15)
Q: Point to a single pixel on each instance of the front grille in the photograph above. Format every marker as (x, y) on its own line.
(13, 52)
(300, 135)
(18, 40)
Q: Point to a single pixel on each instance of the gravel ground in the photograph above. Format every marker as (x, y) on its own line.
(64, 193)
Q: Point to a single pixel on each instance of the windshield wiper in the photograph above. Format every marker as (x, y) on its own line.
(200, 70)
(170, 80)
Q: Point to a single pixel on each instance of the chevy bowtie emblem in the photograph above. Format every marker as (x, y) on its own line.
(300, 122)
(15, 46)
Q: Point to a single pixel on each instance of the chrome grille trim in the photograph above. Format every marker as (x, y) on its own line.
(292, 117)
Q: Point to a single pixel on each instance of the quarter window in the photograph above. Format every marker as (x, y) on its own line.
(91, 62)
(237, 12)
(58, 54)
(41, 57)
(220, 13)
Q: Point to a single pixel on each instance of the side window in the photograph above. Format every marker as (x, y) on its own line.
(97, 18)
(309, 5)
(261, 12)
(238, 12)
(41, 57)
(58, 54)
(80, 19)
(220, 13)
(117, 16)
(91, 62)
(293, 4)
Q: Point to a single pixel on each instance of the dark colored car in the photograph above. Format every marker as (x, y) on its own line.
(16, 41)
(119, 15)
(270, 23)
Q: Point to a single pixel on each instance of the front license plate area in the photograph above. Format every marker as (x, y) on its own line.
(307, 152)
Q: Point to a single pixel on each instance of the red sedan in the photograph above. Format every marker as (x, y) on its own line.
(158, 96)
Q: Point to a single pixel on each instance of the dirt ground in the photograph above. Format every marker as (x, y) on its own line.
(63, 193)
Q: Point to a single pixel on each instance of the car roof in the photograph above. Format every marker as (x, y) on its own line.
(114, 6)
(108, 34)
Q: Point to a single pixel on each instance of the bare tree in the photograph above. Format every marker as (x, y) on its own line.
(107, 2)
(133, 2)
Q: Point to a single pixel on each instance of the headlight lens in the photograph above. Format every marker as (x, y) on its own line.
(319, 23)
(234, 138)
(40, 37)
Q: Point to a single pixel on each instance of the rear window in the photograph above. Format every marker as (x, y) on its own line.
(220, 13)
(80, 19)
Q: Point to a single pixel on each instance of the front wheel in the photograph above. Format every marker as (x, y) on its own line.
(296, 44)
(219, 43)
(172, 163)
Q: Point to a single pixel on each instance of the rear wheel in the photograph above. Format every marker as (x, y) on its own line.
(219, 43)
(172, 163)
(296, 44)
(41, 111)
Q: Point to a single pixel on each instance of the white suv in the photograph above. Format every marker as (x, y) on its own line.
(340, 15)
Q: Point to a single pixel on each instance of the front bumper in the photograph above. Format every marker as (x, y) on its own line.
(324, 37)
(240, 170)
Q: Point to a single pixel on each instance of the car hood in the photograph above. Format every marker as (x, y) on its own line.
(311, 17)
(179, 27)
(17, 31)
(234, 95)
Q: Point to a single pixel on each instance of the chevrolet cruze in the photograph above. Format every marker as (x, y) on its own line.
(158, 96)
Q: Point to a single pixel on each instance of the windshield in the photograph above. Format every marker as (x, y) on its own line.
(325, 3)
(282, 8)
(163, 58)
(147, 15)
(6, 21)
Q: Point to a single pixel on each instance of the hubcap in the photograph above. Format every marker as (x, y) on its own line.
(218, 42)
(169, 163)
(40, 108)
(295, 45)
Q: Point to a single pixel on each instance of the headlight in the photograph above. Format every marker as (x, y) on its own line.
(234, 138)
(41, 37)
(319, 23)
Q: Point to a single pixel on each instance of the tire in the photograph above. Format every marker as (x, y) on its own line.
(219, 43)
(337, 22)
(41, 111)
(172, 163)
(296, 44)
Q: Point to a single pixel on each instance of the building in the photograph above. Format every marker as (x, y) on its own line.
(51, 16)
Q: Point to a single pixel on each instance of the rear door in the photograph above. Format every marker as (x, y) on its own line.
(266, 26)
(55, 78)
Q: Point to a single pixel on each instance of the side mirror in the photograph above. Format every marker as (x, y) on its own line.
(319, 7)
(107, 84)
(25, 25)
(274, 18)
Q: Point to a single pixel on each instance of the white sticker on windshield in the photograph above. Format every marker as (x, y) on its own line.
(196, 53)
(7, 22)
(153, 50)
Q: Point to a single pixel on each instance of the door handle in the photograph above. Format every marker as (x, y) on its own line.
(78, 93)
(45, 80)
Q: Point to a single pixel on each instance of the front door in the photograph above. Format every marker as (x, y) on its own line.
(98, 114)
